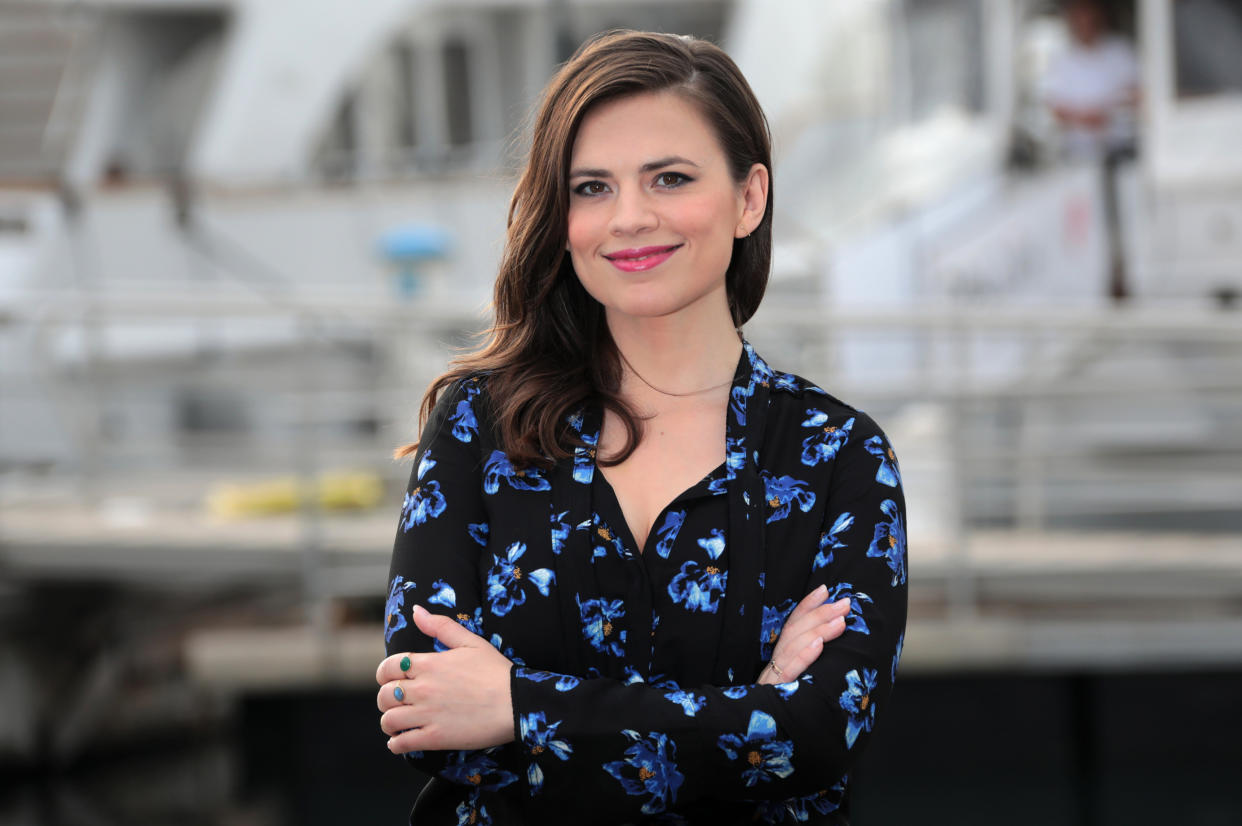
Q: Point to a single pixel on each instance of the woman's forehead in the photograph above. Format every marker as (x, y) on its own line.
(636, 131)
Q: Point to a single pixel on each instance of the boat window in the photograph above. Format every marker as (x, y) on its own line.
(940, 57)
(456, 57)
(1207, 41)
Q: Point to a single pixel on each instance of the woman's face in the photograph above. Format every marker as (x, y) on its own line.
(653, 209)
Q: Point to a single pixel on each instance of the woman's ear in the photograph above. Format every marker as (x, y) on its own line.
(754, 200)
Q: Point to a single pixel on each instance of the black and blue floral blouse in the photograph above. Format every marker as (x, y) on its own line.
(634, 687)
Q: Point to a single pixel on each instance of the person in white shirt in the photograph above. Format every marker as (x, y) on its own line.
(1093, 91)
(1093, 87)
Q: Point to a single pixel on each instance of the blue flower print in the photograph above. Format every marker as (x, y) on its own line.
(444, 594)
(598, 616)
(465, 425)
(560, 531)
(888, 472)
(760, 372)
(649, 769)
(425, 464)
(823, 444)
(787, 382)
(499, 467)
(564, 682)
(472, 623)
(533, 675)
(394, 620)
(901, 641)
(737, 401)
(736, 692)
(696, 589)
(889, 542)
(498, 643)
(854, 620)
(584, 458)
(783, 492)
(472, 812)
(856, 703)
(765, 756)
(479, 532)
(770, 626)
(539, 737)
(713, 543)
(830, 541)
(605, 534)
(667, 532)
(504, 580)
(690, 702)
(735, 460)
(477, 769)
(421, 504)
(800, 809)
(787, 690)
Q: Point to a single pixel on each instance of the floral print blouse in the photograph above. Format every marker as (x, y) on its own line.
(634, 687)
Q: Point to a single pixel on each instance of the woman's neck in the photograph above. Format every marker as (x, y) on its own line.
(675, 355)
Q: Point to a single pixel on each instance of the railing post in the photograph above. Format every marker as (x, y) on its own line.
(960, 587)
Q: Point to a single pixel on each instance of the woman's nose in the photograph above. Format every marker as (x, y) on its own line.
(633, 212)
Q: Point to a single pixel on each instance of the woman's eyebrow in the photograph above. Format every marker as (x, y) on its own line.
(671, 160)
(650, 166)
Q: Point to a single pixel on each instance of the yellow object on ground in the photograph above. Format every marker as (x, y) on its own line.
(285, 494)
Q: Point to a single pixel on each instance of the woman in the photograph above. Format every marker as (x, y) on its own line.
(640, 576)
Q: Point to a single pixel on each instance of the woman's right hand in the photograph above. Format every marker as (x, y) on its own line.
(812, 623)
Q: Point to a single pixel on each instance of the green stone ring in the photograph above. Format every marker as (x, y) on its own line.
(405, 663)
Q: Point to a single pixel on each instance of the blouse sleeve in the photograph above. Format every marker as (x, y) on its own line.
(636, 749)
(442, 530)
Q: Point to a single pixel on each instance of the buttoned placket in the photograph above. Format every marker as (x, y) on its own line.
(737, 655)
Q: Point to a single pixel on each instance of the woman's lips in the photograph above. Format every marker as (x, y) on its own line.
(642, 258)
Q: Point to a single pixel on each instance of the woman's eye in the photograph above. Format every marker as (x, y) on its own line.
(671, 179)
(591, 188)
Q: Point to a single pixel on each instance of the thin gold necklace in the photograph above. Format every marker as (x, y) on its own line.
(665, 392)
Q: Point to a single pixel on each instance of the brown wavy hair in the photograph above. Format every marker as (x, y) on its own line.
(548, 350)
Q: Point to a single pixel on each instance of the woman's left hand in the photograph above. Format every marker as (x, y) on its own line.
(455, 699)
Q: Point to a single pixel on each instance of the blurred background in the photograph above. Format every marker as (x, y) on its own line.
(238, 238)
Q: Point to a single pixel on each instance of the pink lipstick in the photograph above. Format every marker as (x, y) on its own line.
(641, 258)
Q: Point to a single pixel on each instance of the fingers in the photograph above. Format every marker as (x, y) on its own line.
(815, 614)
(397, 666)
(393, 694)
(401, 718)
(798, 652)
(801, 660)
(437, 626)
(812, 600)
(417, 739)
(445, 629)
(812, 623)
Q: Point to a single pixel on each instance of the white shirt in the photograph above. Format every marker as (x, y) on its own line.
(1101, 76)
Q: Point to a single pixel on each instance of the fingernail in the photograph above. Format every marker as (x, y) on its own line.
(842, 603)
(398, 693)
(418, 609)
(823, 589)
